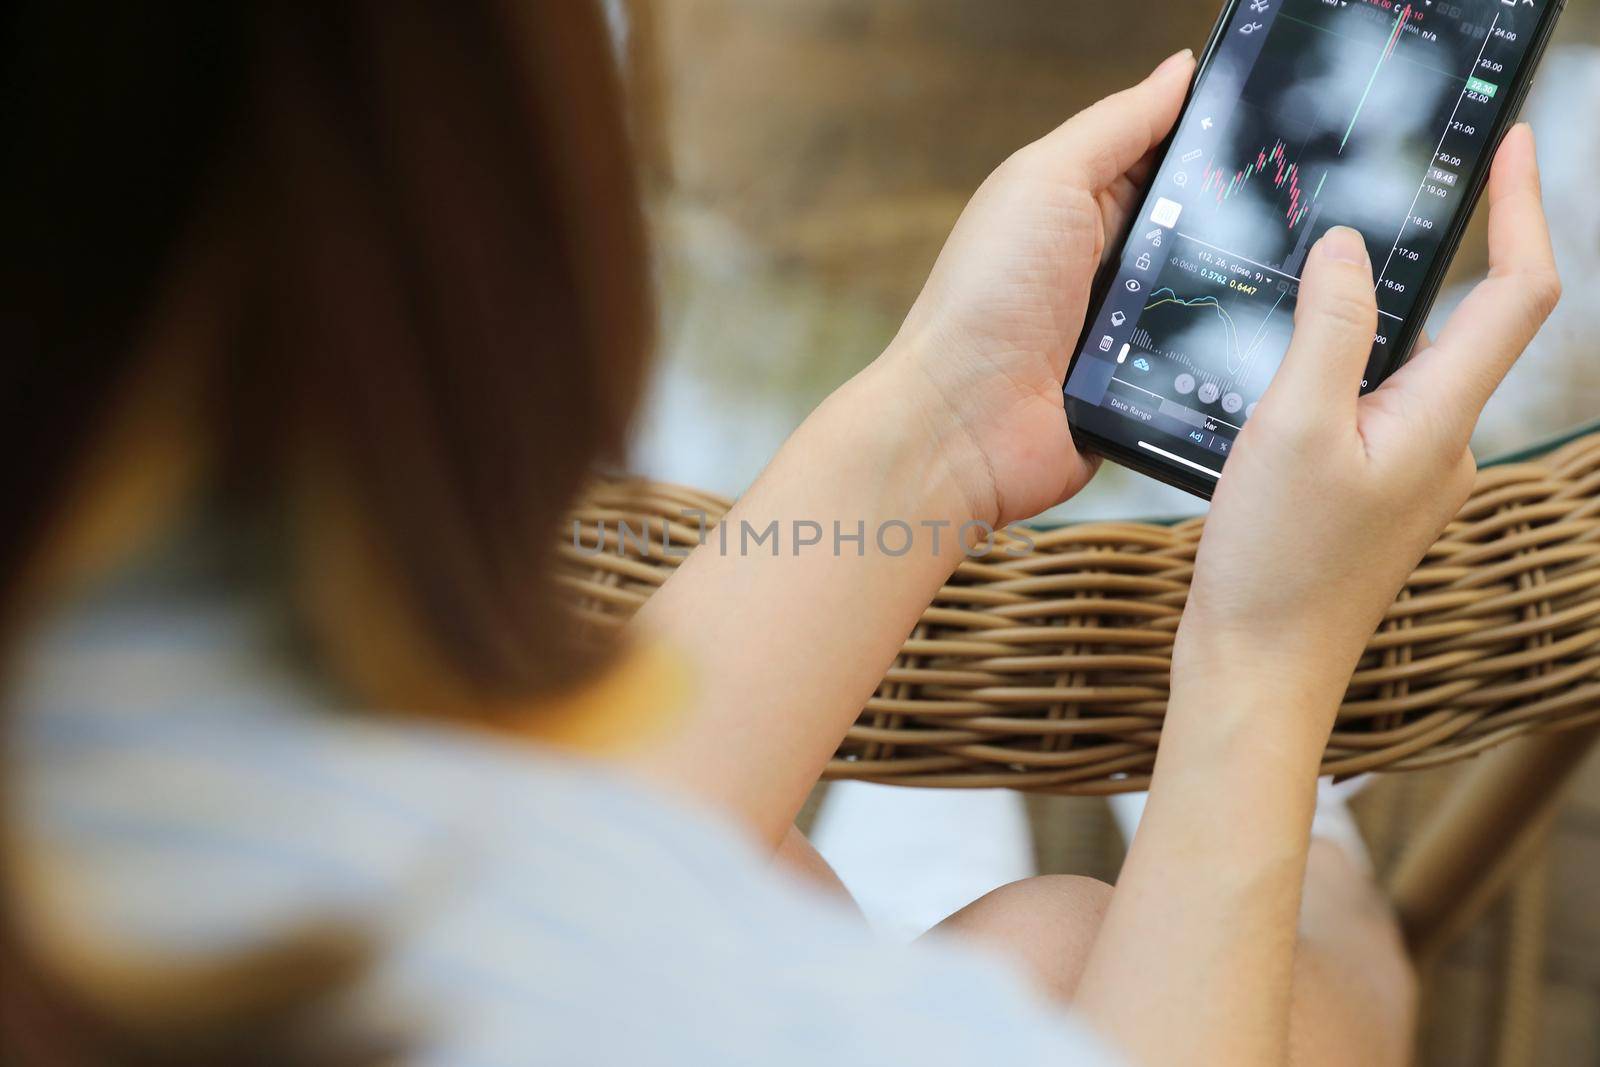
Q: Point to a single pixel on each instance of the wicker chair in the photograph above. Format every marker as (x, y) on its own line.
(1048, 671)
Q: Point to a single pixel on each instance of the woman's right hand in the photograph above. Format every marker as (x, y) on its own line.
(1330, 498)
(1327, 502)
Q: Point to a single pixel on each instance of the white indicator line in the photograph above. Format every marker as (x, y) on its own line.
(1180, 459)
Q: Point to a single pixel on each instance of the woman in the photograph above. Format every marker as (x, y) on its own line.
(317, 320)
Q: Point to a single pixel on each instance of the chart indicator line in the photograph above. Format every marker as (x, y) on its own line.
(1255, 342)
(1388, 50)
(1237, 355)
(1450, 122)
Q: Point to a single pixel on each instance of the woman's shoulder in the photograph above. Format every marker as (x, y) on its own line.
(183, 720)
(200, 797)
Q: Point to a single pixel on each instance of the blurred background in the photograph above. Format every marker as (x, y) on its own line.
(805, 160)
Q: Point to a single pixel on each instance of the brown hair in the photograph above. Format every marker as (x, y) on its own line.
(444, 313)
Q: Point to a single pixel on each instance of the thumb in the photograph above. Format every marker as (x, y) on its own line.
(1098, 145)
(1334, 323)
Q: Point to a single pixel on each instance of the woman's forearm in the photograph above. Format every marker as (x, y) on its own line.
(962, 419)
(785, 641)
(1193, 961)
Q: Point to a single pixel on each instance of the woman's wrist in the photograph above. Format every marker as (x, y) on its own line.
(920, 433)
(1280, 694)
(1246, 728)
(837, 550)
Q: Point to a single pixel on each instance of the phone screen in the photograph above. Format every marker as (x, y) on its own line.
(1306, 114)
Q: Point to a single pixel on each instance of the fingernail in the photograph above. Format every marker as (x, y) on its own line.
(1346, 245)
(1184, 57)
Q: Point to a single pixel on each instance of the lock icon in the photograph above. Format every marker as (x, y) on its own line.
(1143, 262)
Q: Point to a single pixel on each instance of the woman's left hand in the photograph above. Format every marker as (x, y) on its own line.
(987, 344)
(959, 422)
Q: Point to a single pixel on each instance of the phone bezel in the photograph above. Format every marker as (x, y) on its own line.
(1411, 326)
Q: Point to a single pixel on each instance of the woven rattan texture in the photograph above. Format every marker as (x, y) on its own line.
(1049, 671)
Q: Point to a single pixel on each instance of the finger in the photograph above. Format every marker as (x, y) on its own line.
(1334, 324)
(1492, 326)
(1143, 169)
(1120, 199)
(1099, 145)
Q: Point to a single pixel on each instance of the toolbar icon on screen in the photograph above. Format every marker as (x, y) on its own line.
(1166, 213)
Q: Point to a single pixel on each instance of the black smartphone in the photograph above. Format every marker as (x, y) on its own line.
(1382, 115)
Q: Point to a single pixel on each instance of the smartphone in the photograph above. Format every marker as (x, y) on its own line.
(1382, 115)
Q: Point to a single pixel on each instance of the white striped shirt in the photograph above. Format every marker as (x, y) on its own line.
(203, 796)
